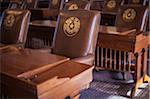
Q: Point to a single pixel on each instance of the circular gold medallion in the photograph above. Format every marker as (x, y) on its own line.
(136, 1)
(129, 15)
(73, 7)
(111, 4)
(9, 20)
(71, 26)
(54, 2)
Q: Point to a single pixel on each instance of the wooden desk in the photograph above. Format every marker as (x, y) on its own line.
(120, 38)
(124, 50)
(28, 62)
(20, 79)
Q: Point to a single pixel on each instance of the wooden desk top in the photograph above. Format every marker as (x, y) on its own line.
(116, 30)
(26, 62)
(46, 23)
(67, 73)
(124, 39)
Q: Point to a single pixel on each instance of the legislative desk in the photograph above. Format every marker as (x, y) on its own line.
(27, 73)
(125, 50)
(121, 38)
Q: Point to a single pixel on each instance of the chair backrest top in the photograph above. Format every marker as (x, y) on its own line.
(132, 16)
(75, 33)
(76, 4)
(14, 26)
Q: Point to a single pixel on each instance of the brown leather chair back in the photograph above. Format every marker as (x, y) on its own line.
(76, 33)
(137, 2)
(76, 4)
(56, 4)
(112, 5)
(132, 16)
(14, 26)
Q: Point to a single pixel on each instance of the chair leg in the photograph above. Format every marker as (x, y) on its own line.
(124, 76)
(137, 84)
(96, 68)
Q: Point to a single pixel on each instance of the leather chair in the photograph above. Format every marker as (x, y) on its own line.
(140, 21)
(14, 27)
(76, 35)
(77, 4)
(109, 12)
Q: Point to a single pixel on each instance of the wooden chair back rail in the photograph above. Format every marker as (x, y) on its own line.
(40, 37)
(117, 60)
(41, 42)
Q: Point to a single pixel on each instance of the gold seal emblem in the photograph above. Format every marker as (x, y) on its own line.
(9, 20)
(136, 1)
(111, 4)
(71, 26)
(54, 2)
(73, 7)
(129, 15)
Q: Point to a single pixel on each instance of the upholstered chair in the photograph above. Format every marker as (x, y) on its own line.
(14, 27)
(76, 35)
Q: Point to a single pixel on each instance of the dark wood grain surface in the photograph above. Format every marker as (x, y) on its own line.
(121, 39)
(27, 61)
(64, 79)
